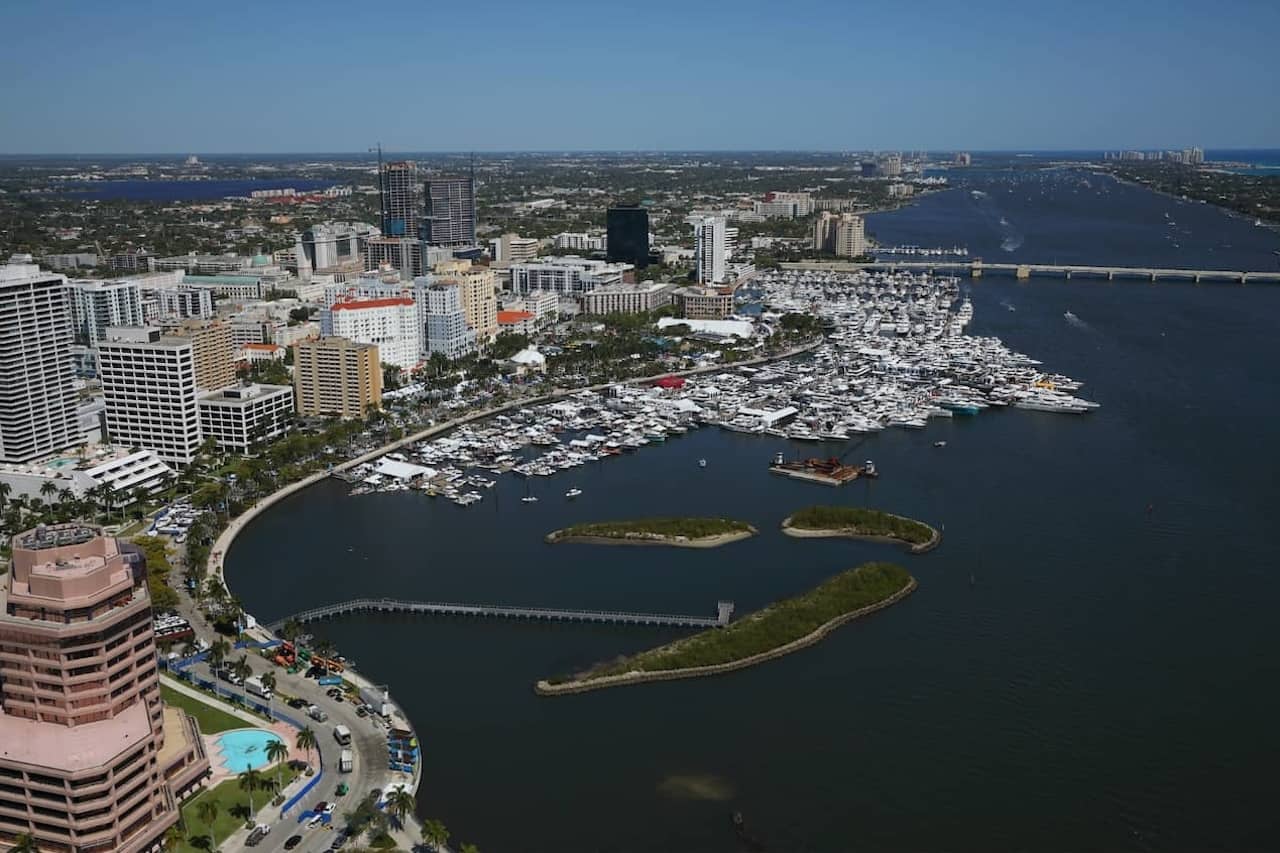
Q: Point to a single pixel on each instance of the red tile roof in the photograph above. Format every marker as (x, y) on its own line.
(354, 304)
(512, 317)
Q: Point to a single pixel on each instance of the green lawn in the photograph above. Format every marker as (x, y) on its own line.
(211, 719)
(226, 795)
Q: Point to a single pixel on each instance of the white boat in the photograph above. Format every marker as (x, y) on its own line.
(529, 499)
(572, 493)
(702, 463)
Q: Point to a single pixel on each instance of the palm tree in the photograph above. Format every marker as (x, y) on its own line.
(324, 649)
(25, 843)
(468, 848)
(400, 803)
(250, 781)
(48, 489)
(207, 812)
(277, 752)
(434, 833)
(292, 630)
(5, 491)
(201, 842)
(67, 498)
(173, 836)
(269, 682)
(218, 653)
(307, 741)
(242, 671)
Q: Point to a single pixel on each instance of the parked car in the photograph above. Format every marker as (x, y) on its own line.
(294, 841)
(297, 703)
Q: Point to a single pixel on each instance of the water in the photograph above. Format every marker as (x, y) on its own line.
(1108, 680)
(166, 191)
(245, 749)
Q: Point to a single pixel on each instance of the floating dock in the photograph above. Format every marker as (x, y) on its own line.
(829, 472)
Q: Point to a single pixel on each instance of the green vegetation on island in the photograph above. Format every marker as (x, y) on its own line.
(859, 521)
(767, 630)
(655, 530)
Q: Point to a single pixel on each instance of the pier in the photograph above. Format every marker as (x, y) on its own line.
(977, 268)
(724, 612)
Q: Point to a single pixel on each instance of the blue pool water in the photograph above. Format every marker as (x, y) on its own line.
(245, 749)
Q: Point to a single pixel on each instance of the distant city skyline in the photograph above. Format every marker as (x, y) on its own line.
(989, 75)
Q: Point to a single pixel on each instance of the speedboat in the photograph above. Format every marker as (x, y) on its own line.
(572, 493)
(939, 444)
(529, 499)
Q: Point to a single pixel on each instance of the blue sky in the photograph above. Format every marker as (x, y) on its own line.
(282, 76)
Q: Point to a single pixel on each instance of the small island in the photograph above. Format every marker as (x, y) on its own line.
(781, 628)
(854, 522)
(677, 532)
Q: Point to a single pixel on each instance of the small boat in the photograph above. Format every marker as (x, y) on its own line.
(572, 493)
(939, 444)
(529, 499)
(702, 463)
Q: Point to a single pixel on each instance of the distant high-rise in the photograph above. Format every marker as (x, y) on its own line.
(450, 212)
(398, 185)
(37, 392)
(149, 386)
(851, 236)
(97, 304)
(709, 248)
(628, 235)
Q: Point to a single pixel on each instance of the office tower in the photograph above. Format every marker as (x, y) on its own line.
(398, 185)
(824, 233)
(447, 330)
(479, 295)
(244, 416)
(97, 304)
(513, 249)
(709, 248)
(37, 394)
(214, 350)
(390, 322)
(150, 389)
(628, 235)
(335, 377)
(851, 236)
(450, 212)
(90, 758)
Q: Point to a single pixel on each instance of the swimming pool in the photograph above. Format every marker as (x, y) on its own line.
(245, 749)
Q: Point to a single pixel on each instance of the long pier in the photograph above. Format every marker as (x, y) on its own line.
(978, 268)
(724, 612)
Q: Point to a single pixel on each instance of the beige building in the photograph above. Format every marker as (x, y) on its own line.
(843, 234)
(479, 292)
(90, 759)
(214, 350)
(336, 377)
(704, 303)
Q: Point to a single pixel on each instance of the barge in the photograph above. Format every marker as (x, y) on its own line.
(830, 472)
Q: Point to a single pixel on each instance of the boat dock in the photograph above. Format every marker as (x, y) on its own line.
(829, 472)
(724, 612)
(976, 268)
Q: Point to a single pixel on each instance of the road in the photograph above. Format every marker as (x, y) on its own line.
(368, 743)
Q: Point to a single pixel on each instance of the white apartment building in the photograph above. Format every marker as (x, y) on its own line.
(569, 275)
(709, 248)
(851, 236)
(149, 385)
(627, 298)
(786, 205)
(97, 304)
(580, 241)
(513, 249)
(184, 302)
(389, 322)
(37, 382)
(447, 329)
(241, 417)
(479, 295)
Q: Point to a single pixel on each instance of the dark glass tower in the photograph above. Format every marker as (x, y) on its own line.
(398, 181)
(628, 235)
(451, 212)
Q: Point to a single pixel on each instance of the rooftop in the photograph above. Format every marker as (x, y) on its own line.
(72, 748)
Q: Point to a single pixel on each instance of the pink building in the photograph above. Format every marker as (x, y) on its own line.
(90, 760)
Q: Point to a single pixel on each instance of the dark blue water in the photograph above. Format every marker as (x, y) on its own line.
(1108, 681)
(1075, 216)
(139, 190)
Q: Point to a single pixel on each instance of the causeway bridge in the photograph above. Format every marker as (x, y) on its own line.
(977, 268)
(724, 612)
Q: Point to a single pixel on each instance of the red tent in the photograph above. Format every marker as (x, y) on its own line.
(670, 382)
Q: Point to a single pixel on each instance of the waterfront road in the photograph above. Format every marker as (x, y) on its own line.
(369, 748)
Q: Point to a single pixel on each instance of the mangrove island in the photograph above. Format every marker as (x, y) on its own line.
(781, 628)
(679, 532)
(855, 522)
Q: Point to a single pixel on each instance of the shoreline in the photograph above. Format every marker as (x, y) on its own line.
(546, 688)
(715, 541)
(935, 537)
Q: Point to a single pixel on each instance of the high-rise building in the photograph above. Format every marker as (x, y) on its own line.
(893, 165)
(398, 184)
(97, 304)
(851, 236)
(709, 248)
(37, 391)
(447, 329)
(479, 295)
(627, 228)
(335, 377)
(389, 322)
(824, 233)
(328, 247)
(214, 350)
(244, 416)
(150, 389)
(450, 212)
(91, 760)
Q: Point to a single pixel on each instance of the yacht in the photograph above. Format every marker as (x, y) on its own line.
(572, 493)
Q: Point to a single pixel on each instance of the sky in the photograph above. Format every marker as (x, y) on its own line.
(229, 77)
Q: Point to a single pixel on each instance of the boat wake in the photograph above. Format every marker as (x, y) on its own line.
(1005, 303)
(1073, 320)
(1012, 242)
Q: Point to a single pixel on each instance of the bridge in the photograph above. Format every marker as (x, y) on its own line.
(977, 268)
(724, 612)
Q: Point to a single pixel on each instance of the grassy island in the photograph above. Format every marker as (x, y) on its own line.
(861, 523)
(685, 532)
(781, 628)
